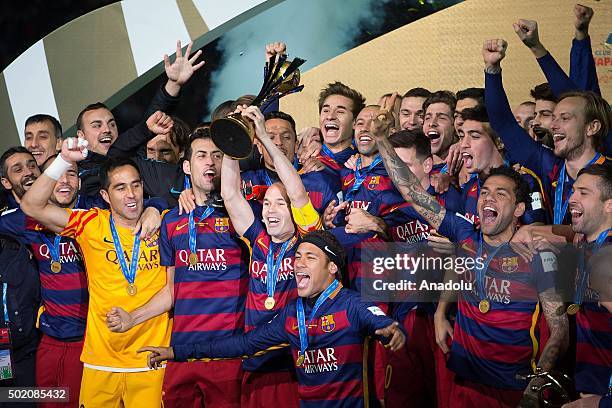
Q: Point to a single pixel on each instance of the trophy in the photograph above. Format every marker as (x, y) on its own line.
(556, 388)
(234, 134)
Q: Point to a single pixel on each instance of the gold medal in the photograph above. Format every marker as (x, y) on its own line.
(269, 303)
(131, 289)
(56, 267)
(484, 306)
(573, 309)
(193, 258)
(299, 361)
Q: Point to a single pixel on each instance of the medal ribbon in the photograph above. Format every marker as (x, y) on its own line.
(301, 318)
(129, 274)
(561, 207)
(4, 304)
(481, 272)
(274, 265)
(54, 247)
(584, 274)
(326, 150)
(192, 228)
(269, 182)
(186, 183)
(360, 176)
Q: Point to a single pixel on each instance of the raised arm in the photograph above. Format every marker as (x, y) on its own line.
(285, 170)
(527, 31)
(35, 202)
(404, 179)
(237, 206)
(516, 140)
(582, 65)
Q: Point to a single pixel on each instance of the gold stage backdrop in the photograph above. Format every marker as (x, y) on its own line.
(443, 51)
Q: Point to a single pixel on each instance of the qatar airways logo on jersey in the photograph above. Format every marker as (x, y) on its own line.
(413, 231)
(147, 260)
(68, 252)
(497, 290)
(208, 259)
(320, 361)
(259, 270)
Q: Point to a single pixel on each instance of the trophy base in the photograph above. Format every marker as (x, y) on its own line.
(232, 135)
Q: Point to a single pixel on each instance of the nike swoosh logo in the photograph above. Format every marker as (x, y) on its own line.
(329, 250)
(107, 240)
(174, 191)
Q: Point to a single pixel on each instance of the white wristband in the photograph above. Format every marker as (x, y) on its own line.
(58, 168)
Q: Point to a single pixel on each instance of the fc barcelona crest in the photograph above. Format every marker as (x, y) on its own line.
(374, 182)
(327, 323)
(221, 224)
(510, 265)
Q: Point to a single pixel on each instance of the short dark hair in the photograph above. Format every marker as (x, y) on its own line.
(7, 155)
(90, 107)
(417, 93)
(409, 139)
(332, 243)
(180, 133)
(283, 116)
(222, 110)
(596, 108)
(478, 113)
(200, 132)
(604, 172)
(521, 187)
(446, 97)
(472, 93)
(111, 165)
(543, 92)
(338, 88)
(43, 117)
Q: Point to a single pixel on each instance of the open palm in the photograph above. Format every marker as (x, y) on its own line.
(183, 67)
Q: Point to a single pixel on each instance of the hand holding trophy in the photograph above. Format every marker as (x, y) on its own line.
(234, 134)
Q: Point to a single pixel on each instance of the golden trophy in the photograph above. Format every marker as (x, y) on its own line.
(234, 134)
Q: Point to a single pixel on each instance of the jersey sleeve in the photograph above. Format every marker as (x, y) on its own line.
(158, 203)
(166, 250)
(545, 268)
(78, 221)
(582, 66)
(555, 76)
(456, 227)
(517, 141)
(253, 232)
(535, 210)
(268, 337)
(13, 223)
(370, 317)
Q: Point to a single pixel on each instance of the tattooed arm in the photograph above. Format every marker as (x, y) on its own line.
(557, 343)
(404, 179)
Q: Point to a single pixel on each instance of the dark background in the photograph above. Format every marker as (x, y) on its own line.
(24, 23)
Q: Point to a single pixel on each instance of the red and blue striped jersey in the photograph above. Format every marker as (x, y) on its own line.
(209, 297)
(336, 162)
(493, 348)
(376, 181)
(537, 210)
(593, 342)
(333, 373)
(64, 294)
(285, 291)
(406, 224)
(321, 188)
